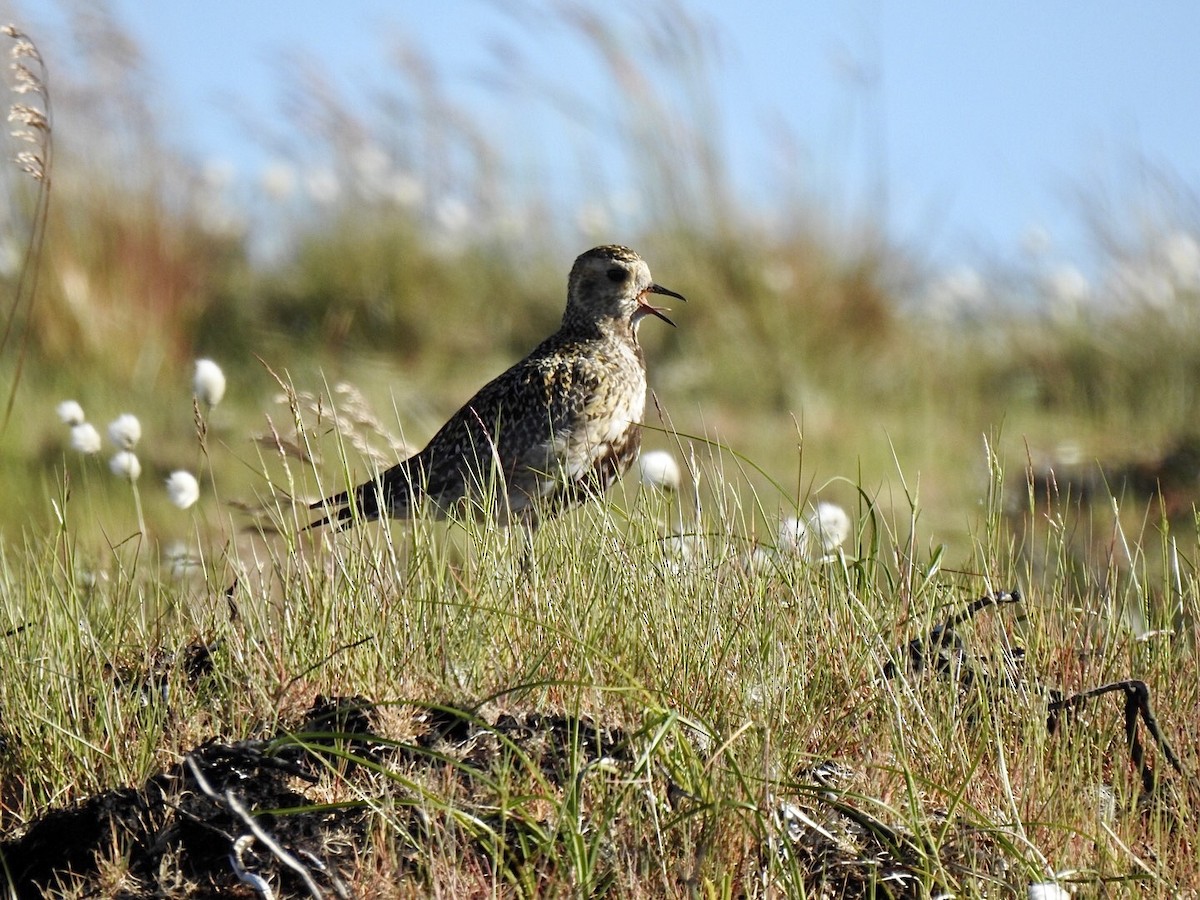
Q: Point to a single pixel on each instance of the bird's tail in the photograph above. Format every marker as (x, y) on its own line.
(342, 509)
(389, 494)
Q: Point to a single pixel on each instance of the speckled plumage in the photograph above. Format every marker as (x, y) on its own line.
(556, 429)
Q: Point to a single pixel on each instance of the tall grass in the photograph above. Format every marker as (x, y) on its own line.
(732, 681)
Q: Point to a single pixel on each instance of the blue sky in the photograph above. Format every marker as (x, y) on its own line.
(961, 125)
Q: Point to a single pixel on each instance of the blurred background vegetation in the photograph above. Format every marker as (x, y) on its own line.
(399, 248)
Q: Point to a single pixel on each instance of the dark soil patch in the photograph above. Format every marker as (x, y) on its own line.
(178, 833)
(170, 817)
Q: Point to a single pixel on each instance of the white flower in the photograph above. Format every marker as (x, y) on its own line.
(71, 413)
(759, 562)
(793, 536)
(208, 384)
(1048, 890)
(85, 438)
(124, 464)
(818, 535)
(830, 525)
(658, 469)
(183, 488)
(125, 431)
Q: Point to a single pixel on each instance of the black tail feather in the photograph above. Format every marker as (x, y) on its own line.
(340, 499)
(345, 509)
(393, 493)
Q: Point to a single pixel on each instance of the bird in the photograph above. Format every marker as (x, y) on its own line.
(553, 431)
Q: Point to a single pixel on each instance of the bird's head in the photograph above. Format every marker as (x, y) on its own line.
(612, 283)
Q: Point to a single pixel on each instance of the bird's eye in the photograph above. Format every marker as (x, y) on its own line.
(617, 274)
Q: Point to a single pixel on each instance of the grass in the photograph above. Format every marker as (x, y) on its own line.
(729, 684)
(628, 720)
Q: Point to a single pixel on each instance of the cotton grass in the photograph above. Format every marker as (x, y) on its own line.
(658, 469)
(85, 438)
(125, 431)
(70, 413)
(183, 488)
(208, 383)
(125, 465)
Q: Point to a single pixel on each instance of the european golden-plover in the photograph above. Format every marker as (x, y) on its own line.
(555, 430)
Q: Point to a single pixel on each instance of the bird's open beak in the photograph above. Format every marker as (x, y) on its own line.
(647, 309)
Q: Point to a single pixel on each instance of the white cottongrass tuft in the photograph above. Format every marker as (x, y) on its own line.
(85, 438)
(760, 561)
(183, 488)
(125, 465)
(793, 536)
(817, 536)
(658, 469)
(1048, 890)
(208, 384)
(70, 413)
(829, 525)
(125, 431)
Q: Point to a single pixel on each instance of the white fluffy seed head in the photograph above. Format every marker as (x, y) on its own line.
(1048, 890)
(820, 533)
(793, 536)
(85, 438)
(125, 431)
(658, 469)
(208, 383)
(759, 561)
(125, 465)
(183, 488)
(70, 413)
(829, 525)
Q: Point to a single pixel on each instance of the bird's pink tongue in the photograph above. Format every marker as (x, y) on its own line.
(645, 309)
